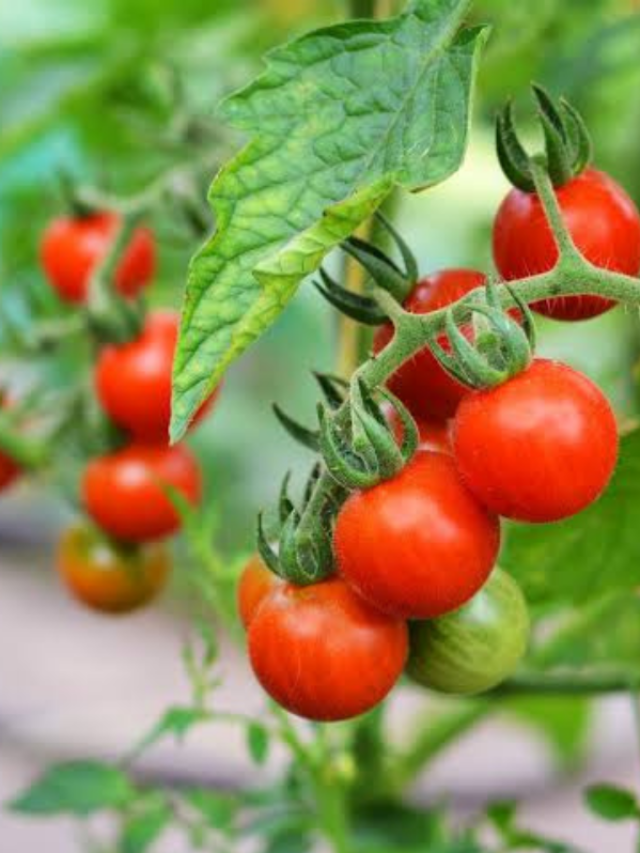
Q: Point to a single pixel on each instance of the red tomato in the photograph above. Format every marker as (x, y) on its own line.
(419, 545)
(9, 471)
(256, 582)
(601, 218)
(109, 577)
(433, 435)
(425, 388)
(540, 447)
(72, 248)
(323, 653)
(126, 492)
(133, 380)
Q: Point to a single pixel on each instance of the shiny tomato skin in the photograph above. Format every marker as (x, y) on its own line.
(323, 653)
(256, 582)
(124, 492)
(108, 577)
(72, 248)
(475, 647)
(425, 388)
(418, 545)
(603, 221)
(133, 380)
(538, 448)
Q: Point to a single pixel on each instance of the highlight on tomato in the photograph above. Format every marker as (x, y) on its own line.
(323, 653)
(74, 246)
(133, 380)
(108, 576)
(418, 545)
(538, 448)
(127, 492)
(475, 647)
(422, 384)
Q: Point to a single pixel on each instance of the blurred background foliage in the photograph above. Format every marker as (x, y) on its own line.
(100, 91)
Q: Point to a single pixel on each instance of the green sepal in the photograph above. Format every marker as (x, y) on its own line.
(558, 149)
(578, 136)
(267, 554)
(334, 388)
(411, 271)
(285, 505)
(384, 272)
(512, 157)
(362, 309)
(346, 467)
(303, 435)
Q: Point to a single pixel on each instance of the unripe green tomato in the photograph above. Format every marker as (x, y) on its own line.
(472, 649)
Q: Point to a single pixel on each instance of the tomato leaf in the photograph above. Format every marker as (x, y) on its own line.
(612, 803)
(258, 742)
(175, 721)
(592, 553)
(218, 810)
(145, 828)
(79, 788)
(339, 117)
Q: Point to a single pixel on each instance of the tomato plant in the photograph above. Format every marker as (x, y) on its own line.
(73, 247)
(127, 493)
(383, 560)
(475, 647)
(323, 653)
(108, 577)
(418, 545)
(540, 447)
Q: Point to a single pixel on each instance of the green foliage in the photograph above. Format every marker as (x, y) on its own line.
(258, 742)
(80, 788)
(338, 118)
(503, 818)
(564, 722)
(143, 828)
(592, 553)
(612, 803)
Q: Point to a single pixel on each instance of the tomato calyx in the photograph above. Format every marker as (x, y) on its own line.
(568, 147)
(385, 274)
(304, 553)
(502, 346)
(366, 452)
(334, 392)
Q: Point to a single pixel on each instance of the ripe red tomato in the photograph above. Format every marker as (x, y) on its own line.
(72, 248)
(601, 218)
(109, 577)
(9, 471)
(256, 582)
(476, 647)
(133, 380)
(323, 653)
(538, 448)
(419, 545)
(425, 388)
(125, 492)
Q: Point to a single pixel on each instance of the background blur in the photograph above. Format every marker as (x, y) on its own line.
(89, 89)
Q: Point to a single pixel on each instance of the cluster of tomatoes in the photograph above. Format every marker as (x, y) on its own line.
(417, 587)
(118, 562)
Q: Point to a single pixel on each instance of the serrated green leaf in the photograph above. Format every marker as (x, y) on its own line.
(612, 803)
(592, 553)
(258, 742)
(338, 118)
(145, 828)
(79, 788)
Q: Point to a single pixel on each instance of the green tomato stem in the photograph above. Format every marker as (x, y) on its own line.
(569, 683)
